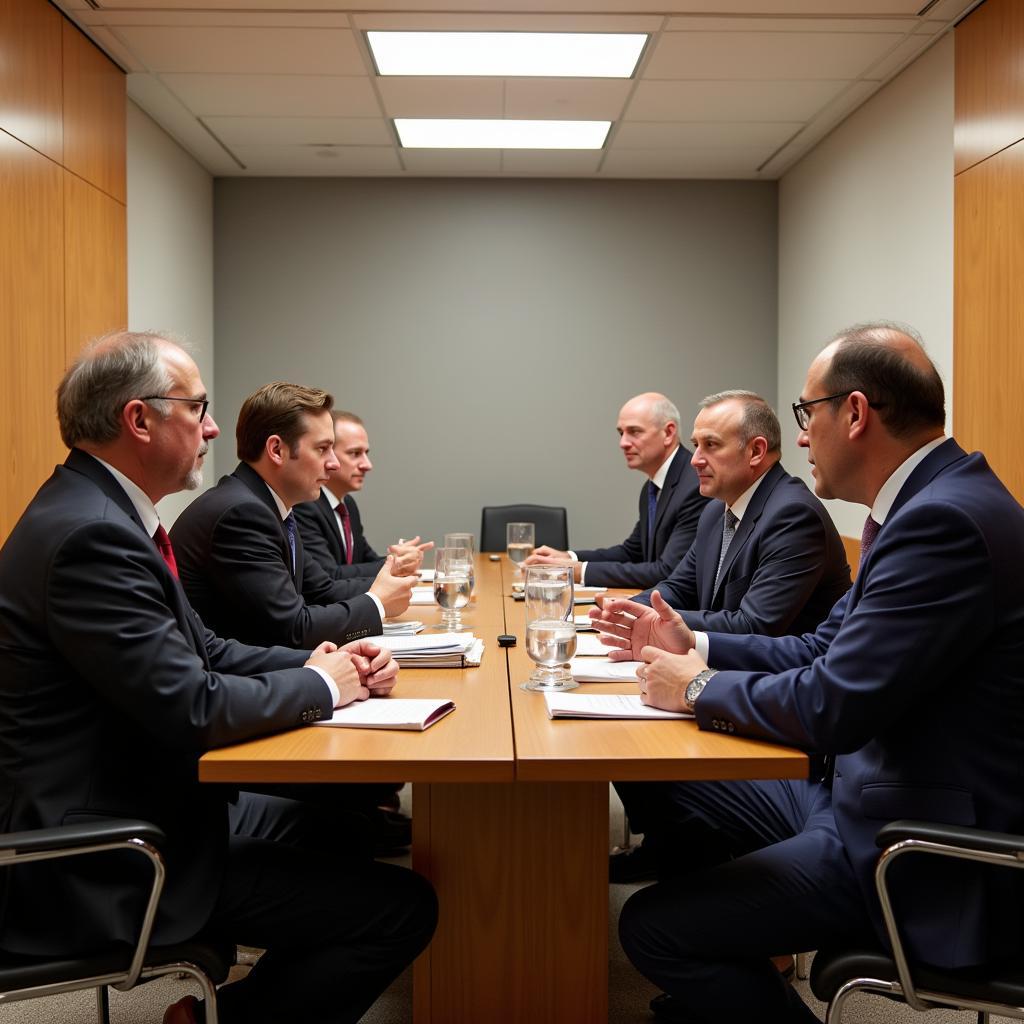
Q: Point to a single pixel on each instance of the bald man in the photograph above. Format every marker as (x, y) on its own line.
(670, 503)
(914, 684)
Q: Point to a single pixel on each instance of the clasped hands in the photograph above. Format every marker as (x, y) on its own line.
(659, 638)
(360, 669)
(545, 555)
(408, 556)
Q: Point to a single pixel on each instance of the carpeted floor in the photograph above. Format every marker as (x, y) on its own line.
(628, 993)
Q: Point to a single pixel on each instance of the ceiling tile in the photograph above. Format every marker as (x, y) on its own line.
(300, 131)
(275, 95)
(683, 163)
(566, 98)
(900, 55)
(765, 55)
(769, 24)
(441, 97)
(555, 163)
(457, 163)
(468, 21)
(273, 51)
(704, 135)
(291, 161)
(731, 101)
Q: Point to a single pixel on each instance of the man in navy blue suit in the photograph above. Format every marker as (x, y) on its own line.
(915, 685)
(767, 559)
(670, 503)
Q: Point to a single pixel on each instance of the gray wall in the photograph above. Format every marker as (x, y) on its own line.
(488, 331)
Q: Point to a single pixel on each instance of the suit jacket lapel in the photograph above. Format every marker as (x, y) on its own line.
(330, 518)
(750, 517)
(710, 548)
(258, 486)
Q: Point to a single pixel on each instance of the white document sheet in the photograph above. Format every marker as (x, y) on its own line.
(610, 705)
(408, 713)
(601, 670)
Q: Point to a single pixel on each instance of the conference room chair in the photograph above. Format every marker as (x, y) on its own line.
(995, 988)
(121, 966)
(551, 525)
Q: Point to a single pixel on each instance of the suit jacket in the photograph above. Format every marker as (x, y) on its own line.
(321, 537)
(784, 570)
(916, 682)
(110, 689)
(235, 565)
(641, 560)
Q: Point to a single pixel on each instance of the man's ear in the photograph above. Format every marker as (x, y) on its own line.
(857, 406)
(758, 450)
(276, 449)
(135, 420)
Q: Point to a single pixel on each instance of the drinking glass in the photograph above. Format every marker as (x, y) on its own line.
(519, 543)
(451, 585)
(465, 541)
(550, 630)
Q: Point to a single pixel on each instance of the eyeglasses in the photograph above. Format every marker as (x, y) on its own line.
(803, 417)
(203, 403)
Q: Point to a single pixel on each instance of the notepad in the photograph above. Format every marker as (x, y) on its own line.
(427, 575)
(584, 624)
(409, 628)
(409, 713)
(434, 650)
(601, 670)
(612, 705)
(422, 595)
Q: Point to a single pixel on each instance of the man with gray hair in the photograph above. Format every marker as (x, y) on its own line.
(670, 503)
(766, 559)
(110, 690)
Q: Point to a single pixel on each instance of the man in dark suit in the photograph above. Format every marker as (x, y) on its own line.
(670, 503)
(243, 563)
(111, 687)
(332, 528)
(915, 683)
(767, 559)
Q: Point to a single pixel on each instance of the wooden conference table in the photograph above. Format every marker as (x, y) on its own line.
(510, 819)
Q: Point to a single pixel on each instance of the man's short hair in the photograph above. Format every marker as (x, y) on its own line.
(106, 376)
(664, 412)
(758, 419)
(277, 408)
(341, 416)
(908, 398)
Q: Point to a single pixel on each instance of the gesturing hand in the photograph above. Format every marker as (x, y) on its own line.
(630, 627)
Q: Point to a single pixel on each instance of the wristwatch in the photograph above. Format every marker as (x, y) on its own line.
(696, 686)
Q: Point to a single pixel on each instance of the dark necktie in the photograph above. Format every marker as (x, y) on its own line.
(163, 544)
(728, 532)
(289, 526)
(346, 529)
(867, 537)
(652, 508)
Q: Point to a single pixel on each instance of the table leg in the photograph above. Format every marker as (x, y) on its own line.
(521, 874)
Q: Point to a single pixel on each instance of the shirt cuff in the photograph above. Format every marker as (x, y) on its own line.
(572, 555)
(583, 572)
(323, 674)
(380, 608)
(701, 645)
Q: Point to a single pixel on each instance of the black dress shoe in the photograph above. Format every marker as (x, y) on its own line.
(667, 1009)
(634, 864)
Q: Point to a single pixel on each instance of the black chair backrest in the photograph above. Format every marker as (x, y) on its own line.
(551, 525)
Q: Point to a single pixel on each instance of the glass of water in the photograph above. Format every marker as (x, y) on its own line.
(467, 543)
(519, 543)
(451, 585)
(550, 630)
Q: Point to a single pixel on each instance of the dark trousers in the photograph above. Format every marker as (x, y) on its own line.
(747, 870)
(337, 927)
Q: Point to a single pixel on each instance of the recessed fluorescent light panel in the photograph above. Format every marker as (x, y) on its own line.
(469, 133)
(508, 54)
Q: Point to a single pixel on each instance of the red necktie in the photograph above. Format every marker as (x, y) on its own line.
(163, 544)
(346, 529)
(867, 538)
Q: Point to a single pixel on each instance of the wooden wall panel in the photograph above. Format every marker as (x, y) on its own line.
(94, 115)
(988, 312)
(30, 74)
(95, 263)
(32, 322)
(989, 94)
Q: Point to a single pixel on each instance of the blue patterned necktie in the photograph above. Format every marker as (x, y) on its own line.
(867, 537)
(652, 508)
(289, 525)
(728, 532)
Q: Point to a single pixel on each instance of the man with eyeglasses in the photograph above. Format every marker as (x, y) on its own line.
(110, 689)
(914, 684)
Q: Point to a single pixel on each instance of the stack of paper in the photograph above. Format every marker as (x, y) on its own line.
(589, 645)
(409, 628)
(613, 705)
(601, 670)
(422, 595)
(584, 624)
(434, 650)
(390, 713)
(427, 575)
